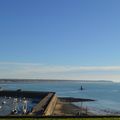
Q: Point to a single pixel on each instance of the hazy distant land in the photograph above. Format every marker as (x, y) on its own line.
(48, 80)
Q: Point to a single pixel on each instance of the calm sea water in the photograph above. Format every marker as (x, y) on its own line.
(106, 94)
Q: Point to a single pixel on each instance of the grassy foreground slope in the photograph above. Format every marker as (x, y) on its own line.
(60, 118)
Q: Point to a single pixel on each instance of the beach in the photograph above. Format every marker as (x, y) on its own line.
(105, 94)
(64, 108)
(69, 109)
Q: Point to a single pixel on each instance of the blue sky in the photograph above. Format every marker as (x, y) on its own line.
(60, 34)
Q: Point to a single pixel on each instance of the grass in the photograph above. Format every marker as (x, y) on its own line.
(60, 118)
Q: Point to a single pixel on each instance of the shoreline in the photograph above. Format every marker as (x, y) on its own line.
(3, 80)
(64, 108)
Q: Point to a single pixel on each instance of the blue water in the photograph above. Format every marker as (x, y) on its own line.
(106, 94)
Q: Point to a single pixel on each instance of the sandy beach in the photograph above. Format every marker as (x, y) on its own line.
(63, 108)
(69, 109)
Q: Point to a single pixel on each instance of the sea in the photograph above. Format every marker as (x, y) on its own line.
(105, 94)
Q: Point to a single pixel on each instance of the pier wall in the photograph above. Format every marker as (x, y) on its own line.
(19, 93)
(44, 107)
(51, 106)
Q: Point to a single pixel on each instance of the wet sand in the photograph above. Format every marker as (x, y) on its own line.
(69, 109)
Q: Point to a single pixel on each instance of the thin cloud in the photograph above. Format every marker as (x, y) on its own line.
(55, 68)
(19, 63)
(36, 70)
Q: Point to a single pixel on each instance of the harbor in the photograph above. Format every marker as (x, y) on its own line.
(24, 102)
(36, 103)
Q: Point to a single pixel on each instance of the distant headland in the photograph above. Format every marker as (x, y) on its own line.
(49, 80)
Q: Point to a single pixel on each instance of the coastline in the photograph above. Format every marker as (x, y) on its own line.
(75, 92)
(50, 80)
(63, 108)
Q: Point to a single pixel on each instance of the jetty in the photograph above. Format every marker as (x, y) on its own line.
(37, 103)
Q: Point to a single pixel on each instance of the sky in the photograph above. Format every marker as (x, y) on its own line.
(60, 39)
